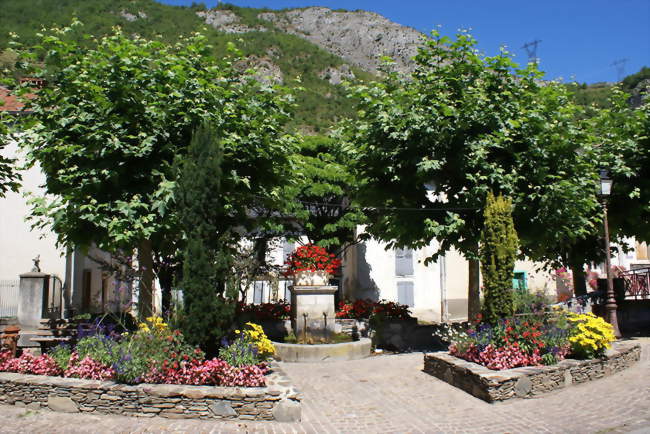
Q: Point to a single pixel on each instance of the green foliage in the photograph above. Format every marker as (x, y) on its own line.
(631, 81)
(9, 175)
(208, 309)
(61, 355)
(112, 119)
(499, 244)
(461, 126)
(530, 302)
(622, 134)
(322, 192)
(239, 353)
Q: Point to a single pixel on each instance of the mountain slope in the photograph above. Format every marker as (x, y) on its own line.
(321, 47)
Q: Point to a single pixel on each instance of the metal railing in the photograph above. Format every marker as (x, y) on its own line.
(9, 298)
(637, 283)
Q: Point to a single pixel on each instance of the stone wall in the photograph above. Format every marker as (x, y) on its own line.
(528, 382)
(278, 401)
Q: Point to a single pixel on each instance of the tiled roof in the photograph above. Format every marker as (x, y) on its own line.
(10, 102)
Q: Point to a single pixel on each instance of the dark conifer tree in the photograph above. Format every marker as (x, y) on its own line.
(208, 305)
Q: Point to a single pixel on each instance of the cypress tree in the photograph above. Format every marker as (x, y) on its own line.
(208, 305)
(498, 252)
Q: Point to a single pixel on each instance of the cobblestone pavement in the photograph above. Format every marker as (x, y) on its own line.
(391, 394)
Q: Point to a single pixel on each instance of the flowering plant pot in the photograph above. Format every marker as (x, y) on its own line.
(311, 262)
(310, 278)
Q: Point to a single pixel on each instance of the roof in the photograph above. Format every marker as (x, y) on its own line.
(11, 103)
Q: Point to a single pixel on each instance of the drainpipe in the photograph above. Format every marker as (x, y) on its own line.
(444, 306)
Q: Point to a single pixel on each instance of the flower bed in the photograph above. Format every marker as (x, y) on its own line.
(391, 324)
(153, 354)
(279, 310)
(531, 340)
(152, 371)
(531, 381)
(365, 309)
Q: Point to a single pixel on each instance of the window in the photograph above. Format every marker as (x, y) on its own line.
(403, 262)
(520, 281)
(405, 293)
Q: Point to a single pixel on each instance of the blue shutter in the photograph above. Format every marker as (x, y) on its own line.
(287, 249)
(403, 262)
(405, 293)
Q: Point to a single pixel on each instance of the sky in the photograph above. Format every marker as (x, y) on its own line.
(580, 39)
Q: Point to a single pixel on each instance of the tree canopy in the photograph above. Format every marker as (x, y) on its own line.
(322, 191)
(113, 117)
(430, 147)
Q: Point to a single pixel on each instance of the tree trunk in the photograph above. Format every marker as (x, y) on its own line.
(166, 279)
(145, 295)
(473, 292)
(579, 282)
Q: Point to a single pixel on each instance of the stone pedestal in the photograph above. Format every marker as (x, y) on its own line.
(32, 303)
(313, 301)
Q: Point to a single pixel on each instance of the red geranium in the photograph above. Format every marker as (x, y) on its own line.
(311, 257)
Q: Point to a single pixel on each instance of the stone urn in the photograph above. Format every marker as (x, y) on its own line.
(311, 278)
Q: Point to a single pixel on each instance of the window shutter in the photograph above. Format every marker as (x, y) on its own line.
(403, 262)
(287, 249)
(405, 293)
(258, 292)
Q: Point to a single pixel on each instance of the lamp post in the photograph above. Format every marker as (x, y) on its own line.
(610, 304)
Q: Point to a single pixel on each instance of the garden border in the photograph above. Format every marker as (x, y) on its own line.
(279, 400)
(531, 381)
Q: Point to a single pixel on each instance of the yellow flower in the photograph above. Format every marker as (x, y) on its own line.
(255, 335)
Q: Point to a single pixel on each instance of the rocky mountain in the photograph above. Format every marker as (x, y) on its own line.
(339, 32)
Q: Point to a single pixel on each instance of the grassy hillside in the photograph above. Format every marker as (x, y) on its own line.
(598, 93)
(320, 103)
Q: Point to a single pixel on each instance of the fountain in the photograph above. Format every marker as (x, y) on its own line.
(313, 323)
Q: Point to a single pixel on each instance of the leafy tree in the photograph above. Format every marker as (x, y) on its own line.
(499, 244)
(110, 122)
(9, 176)
(208, 302)
(431, 147)
(622, 135)
(323, 191)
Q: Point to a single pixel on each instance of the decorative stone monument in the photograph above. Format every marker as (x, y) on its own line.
(33, 295)
(312, 299)
(312, 310)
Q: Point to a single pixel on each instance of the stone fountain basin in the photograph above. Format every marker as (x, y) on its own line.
(322, 352)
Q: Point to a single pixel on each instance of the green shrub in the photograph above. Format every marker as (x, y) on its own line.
(530, 302)
(498, 252)
(61, 355)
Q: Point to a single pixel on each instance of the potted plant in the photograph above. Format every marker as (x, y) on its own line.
(311, 265)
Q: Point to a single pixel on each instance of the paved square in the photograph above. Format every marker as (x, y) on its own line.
(391, 394)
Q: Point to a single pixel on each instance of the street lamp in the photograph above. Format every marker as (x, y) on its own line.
(610, 304)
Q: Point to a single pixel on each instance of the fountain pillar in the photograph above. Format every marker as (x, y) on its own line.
(313, 307)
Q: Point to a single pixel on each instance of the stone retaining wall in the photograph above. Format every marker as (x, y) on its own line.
(528, 382)
(278, 401)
